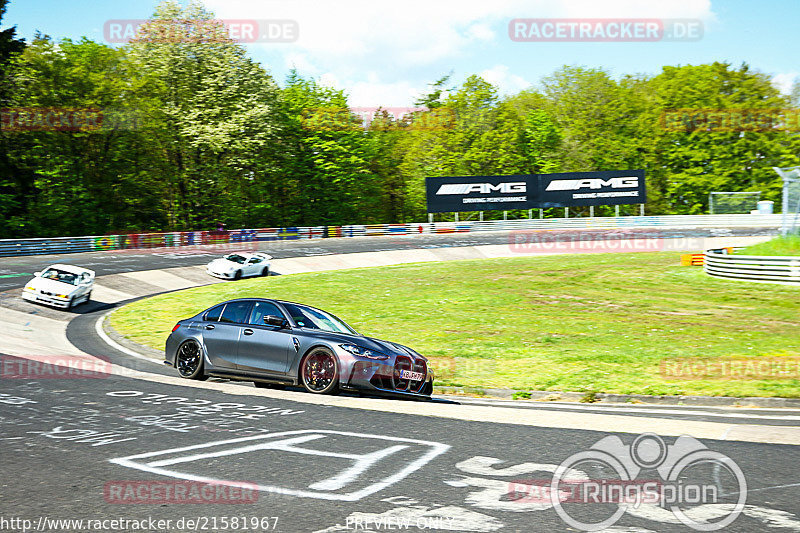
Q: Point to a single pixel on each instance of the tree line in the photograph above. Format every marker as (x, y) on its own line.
(194, 132)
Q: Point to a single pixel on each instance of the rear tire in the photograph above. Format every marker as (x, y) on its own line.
(189, 361)
(319, 371)
(265, 272)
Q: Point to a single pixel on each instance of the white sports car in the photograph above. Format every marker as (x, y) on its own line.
(60, 286)
(239, 265)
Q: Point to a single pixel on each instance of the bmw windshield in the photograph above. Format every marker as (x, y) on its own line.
(60, 275)
(308, 317)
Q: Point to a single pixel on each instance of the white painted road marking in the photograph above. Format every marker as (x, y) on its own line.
(326, 489)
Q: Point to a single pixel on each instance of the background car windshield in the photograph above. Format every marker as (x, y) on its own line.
(60, 275)
(307, 317)
(236, 258)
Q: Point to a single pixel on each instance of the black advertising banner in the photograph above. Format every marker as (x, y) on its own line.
(591, 188)
(479, 193)
(529, 191)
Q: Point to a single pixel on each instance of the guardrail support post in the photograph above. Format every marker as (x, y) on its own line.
(541, 213)
(641, 210)
(456, 216)
(616, 210)
(566, 212)
(591, 211)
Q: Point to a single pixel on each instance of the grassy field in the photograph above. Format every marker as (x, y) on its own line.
(785, 245)
(594, 323)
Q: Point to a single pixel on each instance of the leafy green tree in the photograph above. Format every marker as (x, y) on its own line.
(14, 184)
(215, 123)
(701, 158)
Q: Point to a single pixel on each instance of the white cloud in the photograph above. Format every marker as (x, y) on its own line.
(403, 42)
(415, 32)
(785, 80)
(507, 82)
(301, 62)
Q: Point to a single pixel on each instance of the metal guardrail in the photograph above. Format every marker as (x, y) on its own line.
(763, 269)
(136, 241)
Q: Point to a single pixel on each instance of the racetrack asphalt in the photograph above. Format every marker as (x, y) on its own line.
(72, 447)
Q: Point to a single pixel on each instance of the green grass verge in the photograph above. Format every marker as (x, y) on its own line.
(784, 245)
(589, 323)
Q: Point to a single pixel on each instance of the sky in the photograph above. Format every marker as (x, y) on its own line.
(385, 53)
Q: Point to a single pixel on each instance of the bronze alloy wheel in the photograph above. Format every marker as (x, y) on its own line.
(320, 371)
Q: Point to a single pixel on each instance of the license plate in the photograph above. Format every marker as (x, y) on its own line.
(413, 376)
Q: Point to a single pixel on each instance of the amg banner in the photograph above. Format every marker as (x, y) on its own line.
(529, 191)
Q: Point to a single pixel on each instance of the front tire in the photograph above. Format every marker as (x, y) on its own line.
(189, 361)
(237, 275)
(319, 371)
(88, 297)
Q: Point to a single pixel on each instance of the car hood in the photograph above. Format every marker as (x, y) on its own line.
(51, 285)
(223, 263)
(389, 348)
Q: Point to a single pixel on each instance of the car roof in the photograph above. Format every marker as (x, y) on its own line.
(259, 298)
(71, 268)
(247, 255)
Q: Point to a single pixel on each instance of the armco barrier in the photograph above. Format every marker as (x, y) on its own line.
(135, 241)
(764, 269)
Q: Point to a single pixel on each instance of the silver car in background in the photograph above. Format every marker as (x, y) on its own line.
(275, 342)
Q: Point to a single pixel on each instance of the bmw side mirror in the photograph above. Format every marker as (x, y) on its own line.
(272, 320)
(37, 274)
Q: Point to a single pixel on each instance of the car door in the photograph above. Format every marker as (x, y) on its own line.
(253, 267)
(221, 331)
(264, 348)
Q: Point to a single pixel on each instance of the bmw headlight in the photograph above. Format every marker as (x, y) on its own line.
(364, 352)
(62, 295)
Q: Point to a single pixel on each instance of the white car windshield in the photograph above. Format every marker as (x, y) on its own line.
(61, 275)
(308, 317)
(236, 258)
